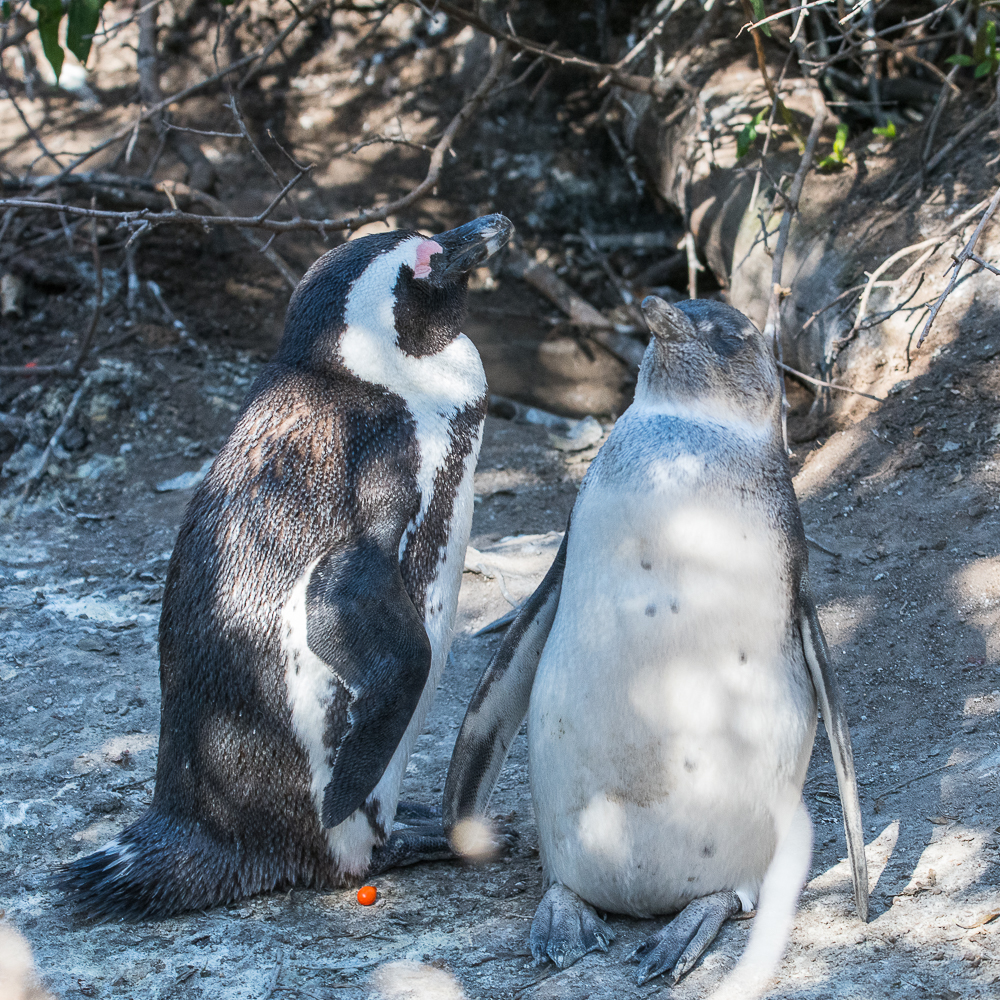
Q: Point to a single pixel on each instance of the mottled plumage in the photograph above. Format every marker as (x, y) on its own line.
(670, 665)
(309, 599)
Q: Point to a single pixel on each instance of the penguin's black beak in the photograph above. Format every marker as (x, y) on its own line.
(666, 321)
(465, 248)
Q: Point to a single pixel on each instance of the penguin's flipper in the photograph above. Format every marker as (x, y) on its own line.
(835, 719)
(361, 622)
(499, 705)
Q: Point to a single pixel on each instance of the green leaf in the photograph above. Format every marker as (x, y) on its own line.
(986, 42)
(959, 60)
(84, 16)
(50, 13)
(759, 13)
(840, 143)
(889, 131)
(982, 69)
(748, 134)
(6, 10)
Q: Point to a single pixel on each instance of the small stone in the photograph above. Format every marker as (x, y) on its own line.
(91, 644)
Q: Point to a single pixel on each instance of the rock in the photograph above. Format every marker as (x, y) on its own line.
(75, 439)
(583, 434)
(11, 295)
(23, 460)
(99, 465)
(91, 644)
(186, 480)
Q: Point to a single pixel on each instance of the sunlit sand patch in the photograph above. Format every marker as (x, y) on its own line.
(416, 981)
(877, 853)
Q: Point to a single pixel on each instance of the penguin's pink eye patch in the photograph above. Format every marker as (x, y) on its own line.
(422, 265)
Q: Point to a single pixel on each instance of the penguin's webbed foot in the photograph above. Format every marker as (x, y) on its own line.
(685, 939)
(566, 928)
(410, 845)
(416, 813)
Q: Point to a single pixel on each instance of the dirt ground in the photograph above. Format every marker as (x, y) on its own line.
(911, 607)
(902, 499)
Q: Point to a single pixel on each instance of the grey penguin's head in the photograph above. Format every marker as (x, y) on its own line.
(708, 357)
(405, 290)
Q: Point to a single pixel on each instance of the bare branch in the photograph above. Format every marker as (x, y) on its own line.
(98, 299)
(609, 71)
(772, 326)
(146, 217)
(958, 264)
(795, 373)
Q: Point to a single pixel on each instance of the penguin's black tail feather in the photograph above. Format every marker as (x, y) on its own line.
(159, 866)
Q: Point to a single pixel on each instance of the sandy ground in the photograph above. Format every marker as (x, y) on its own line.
(910, 606)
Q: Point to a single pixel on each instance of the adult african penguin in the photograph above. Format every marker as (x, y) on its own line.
(310, 597)
(670, 665)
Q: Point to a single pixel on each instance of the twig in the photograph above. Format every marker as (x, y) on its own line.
(543, 279)
(321, 226)
(933, 242)
(40, 466)
(264, 55)
(623, 291)
(751, 24)
(772, 326)
(767, 140)
(758, 42)
(822, 547)
(171, 318)
(957, 266)
(95, 317)
(694, 265)
(968, 129)
(628, 81)
(982, 263)
(36, 371)
(829, 385)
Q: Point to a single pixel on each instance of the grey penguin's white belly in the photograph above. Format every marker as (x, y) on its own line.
(671, 717)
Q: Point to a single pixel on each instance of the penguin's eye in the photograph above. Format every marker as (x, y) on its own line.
(727, 344)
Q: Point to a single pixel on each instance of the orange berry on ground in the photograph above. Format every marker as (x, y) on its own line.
(367, 894)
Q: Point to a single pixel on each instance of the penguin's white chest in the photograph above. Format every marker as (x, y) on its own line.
(436, 390)
(670, 711)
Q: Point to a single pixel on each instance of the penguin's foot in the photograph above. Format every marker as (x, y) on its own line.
(565, 929)
(685, 939)
(416, 813)
(410, 845)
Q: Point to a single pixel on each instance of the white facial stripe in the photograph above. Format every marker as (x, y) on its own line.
(434, 387)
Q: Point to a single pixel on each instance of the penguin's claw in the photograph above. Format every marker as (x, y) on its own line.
(565, 929)
(680, 944)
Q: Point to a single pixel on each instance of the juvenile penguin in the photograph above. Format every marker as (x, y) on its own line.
(670, 664)
(309, 601)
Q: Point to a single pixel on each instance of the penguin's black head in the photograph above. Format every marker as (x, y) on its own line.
(387, 294)
(708, 357)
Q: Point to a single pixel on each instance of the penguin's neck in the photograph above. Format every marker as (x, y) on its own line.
(717, 412)
(435, 388)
